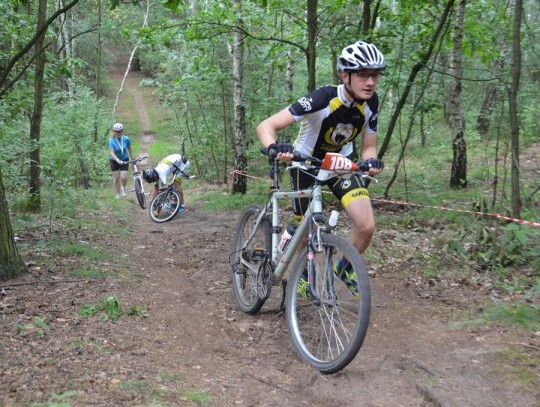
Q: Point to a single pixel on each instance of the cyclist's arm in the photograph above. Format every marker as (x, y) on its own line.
(369, 150)
(268, 128)
(113, 155)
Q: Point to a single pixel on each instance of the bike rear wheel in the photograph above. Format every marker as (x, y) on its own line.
(327, 329)
(139, 192)
(164, 206)
(246, 261)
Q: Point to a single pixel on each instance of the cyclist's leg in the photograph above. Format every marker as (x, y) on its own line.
(115, 169)
(355, 199)
(124, 176)
(178, 187)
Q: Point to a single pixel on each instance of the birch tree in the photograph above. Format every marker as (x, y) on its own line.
(239, 181)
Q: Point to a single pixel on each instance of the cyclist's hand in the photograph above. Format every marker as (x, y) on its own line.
(375, 165)
(284, 151)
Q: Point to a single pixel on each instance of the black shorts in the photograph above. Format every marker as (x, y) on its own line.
(118, 167)
(346, 190)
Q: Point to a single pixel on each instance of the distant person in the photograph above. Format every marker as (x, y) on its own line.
(164, 169)
(119, 147)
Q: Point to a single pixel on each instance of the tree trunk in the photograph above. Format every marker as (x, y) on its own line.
(414, 72)
(11, 264)
(35, 123)
(239, 181)
(512, 101)
(98, 71)
(312, 42)
(490, 97)
(458, 174)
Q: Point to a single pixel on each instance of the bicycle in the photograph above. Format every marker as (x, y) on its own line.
(328, 324)
(166, 204)
(138, 182)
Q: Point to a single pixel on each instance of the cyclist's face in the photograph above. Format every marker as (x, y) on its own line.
(118, 133)
(363, 83)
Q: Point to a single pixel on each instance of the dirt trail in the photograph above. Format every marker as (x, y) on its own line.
(196, 343)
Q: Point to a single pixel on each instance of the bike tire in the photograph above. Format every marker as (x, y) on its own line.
(139, 192)
(164, 206)
(244, 279)
(328, 333)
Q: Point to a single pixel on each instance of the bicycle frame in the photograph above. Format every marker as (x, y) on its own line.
(315, 207)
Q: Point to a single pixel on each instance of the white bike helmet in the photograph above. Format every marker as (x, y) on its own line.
(118, 127)
(360, 55)
(186, 166)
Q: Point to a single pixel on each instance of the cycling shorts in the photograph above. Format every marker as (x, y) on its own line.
(118, 167)
(346, 190)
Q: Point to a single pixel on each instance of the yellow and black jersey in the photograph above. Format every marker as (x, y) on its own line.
(329, 122)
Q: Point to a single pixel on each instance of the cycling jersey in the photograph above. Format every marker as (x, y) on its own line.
(329, 122)
(120, 146)
(167, 166)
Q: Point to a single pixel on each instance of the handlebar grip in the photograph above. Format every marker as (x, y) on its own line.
(362, 166)
(272, 153)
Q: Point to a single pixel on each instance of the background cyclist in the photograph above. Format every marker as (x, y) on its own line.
(332, 117)
(164, 169)
(119, 147)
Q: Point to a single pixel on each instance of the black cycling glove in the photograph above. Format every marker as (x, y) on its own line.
(281, 147)
(374, 163)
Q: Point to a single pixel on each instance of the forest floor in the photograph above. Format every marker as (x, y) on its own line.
(186, 342)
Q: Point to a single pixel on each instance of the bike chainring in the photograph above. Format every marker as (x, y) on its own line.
(264, 280)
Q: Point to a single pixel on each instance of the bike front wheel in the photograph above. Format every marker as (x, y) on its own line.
(139, 192)
(164, 206)
(328, 319)
(248, 256)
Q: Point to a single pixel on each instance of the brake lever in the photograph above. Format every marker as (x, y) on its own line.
(371, 178)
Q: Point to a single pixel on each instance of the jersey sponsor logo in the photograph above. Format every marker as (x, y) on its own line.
(346, 184)
(306, 103)
(341, 134)
(359, 192)
(373, 121)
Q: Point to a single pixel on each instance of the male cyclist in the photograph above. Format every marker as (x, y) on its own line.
(331, 118)
(164, 169)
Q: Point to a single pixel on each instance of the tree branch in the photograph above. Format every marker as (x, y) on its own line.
(29, 45)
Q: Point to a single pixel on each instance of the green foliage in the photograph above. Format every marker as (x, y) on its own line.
(511, 244)
(522, 315)
(110, 308)
(38, 327)
(87, 310)
(57, 400)
(137, 310)
(200, 397)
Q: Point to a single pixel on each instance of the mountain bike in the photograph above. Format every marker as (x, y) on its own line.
(167, 203)
(327, 320)
(138, 182)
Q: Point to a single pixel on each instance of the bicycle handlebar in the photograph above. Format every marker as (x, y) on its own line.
(135, 160)
(315, 162)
